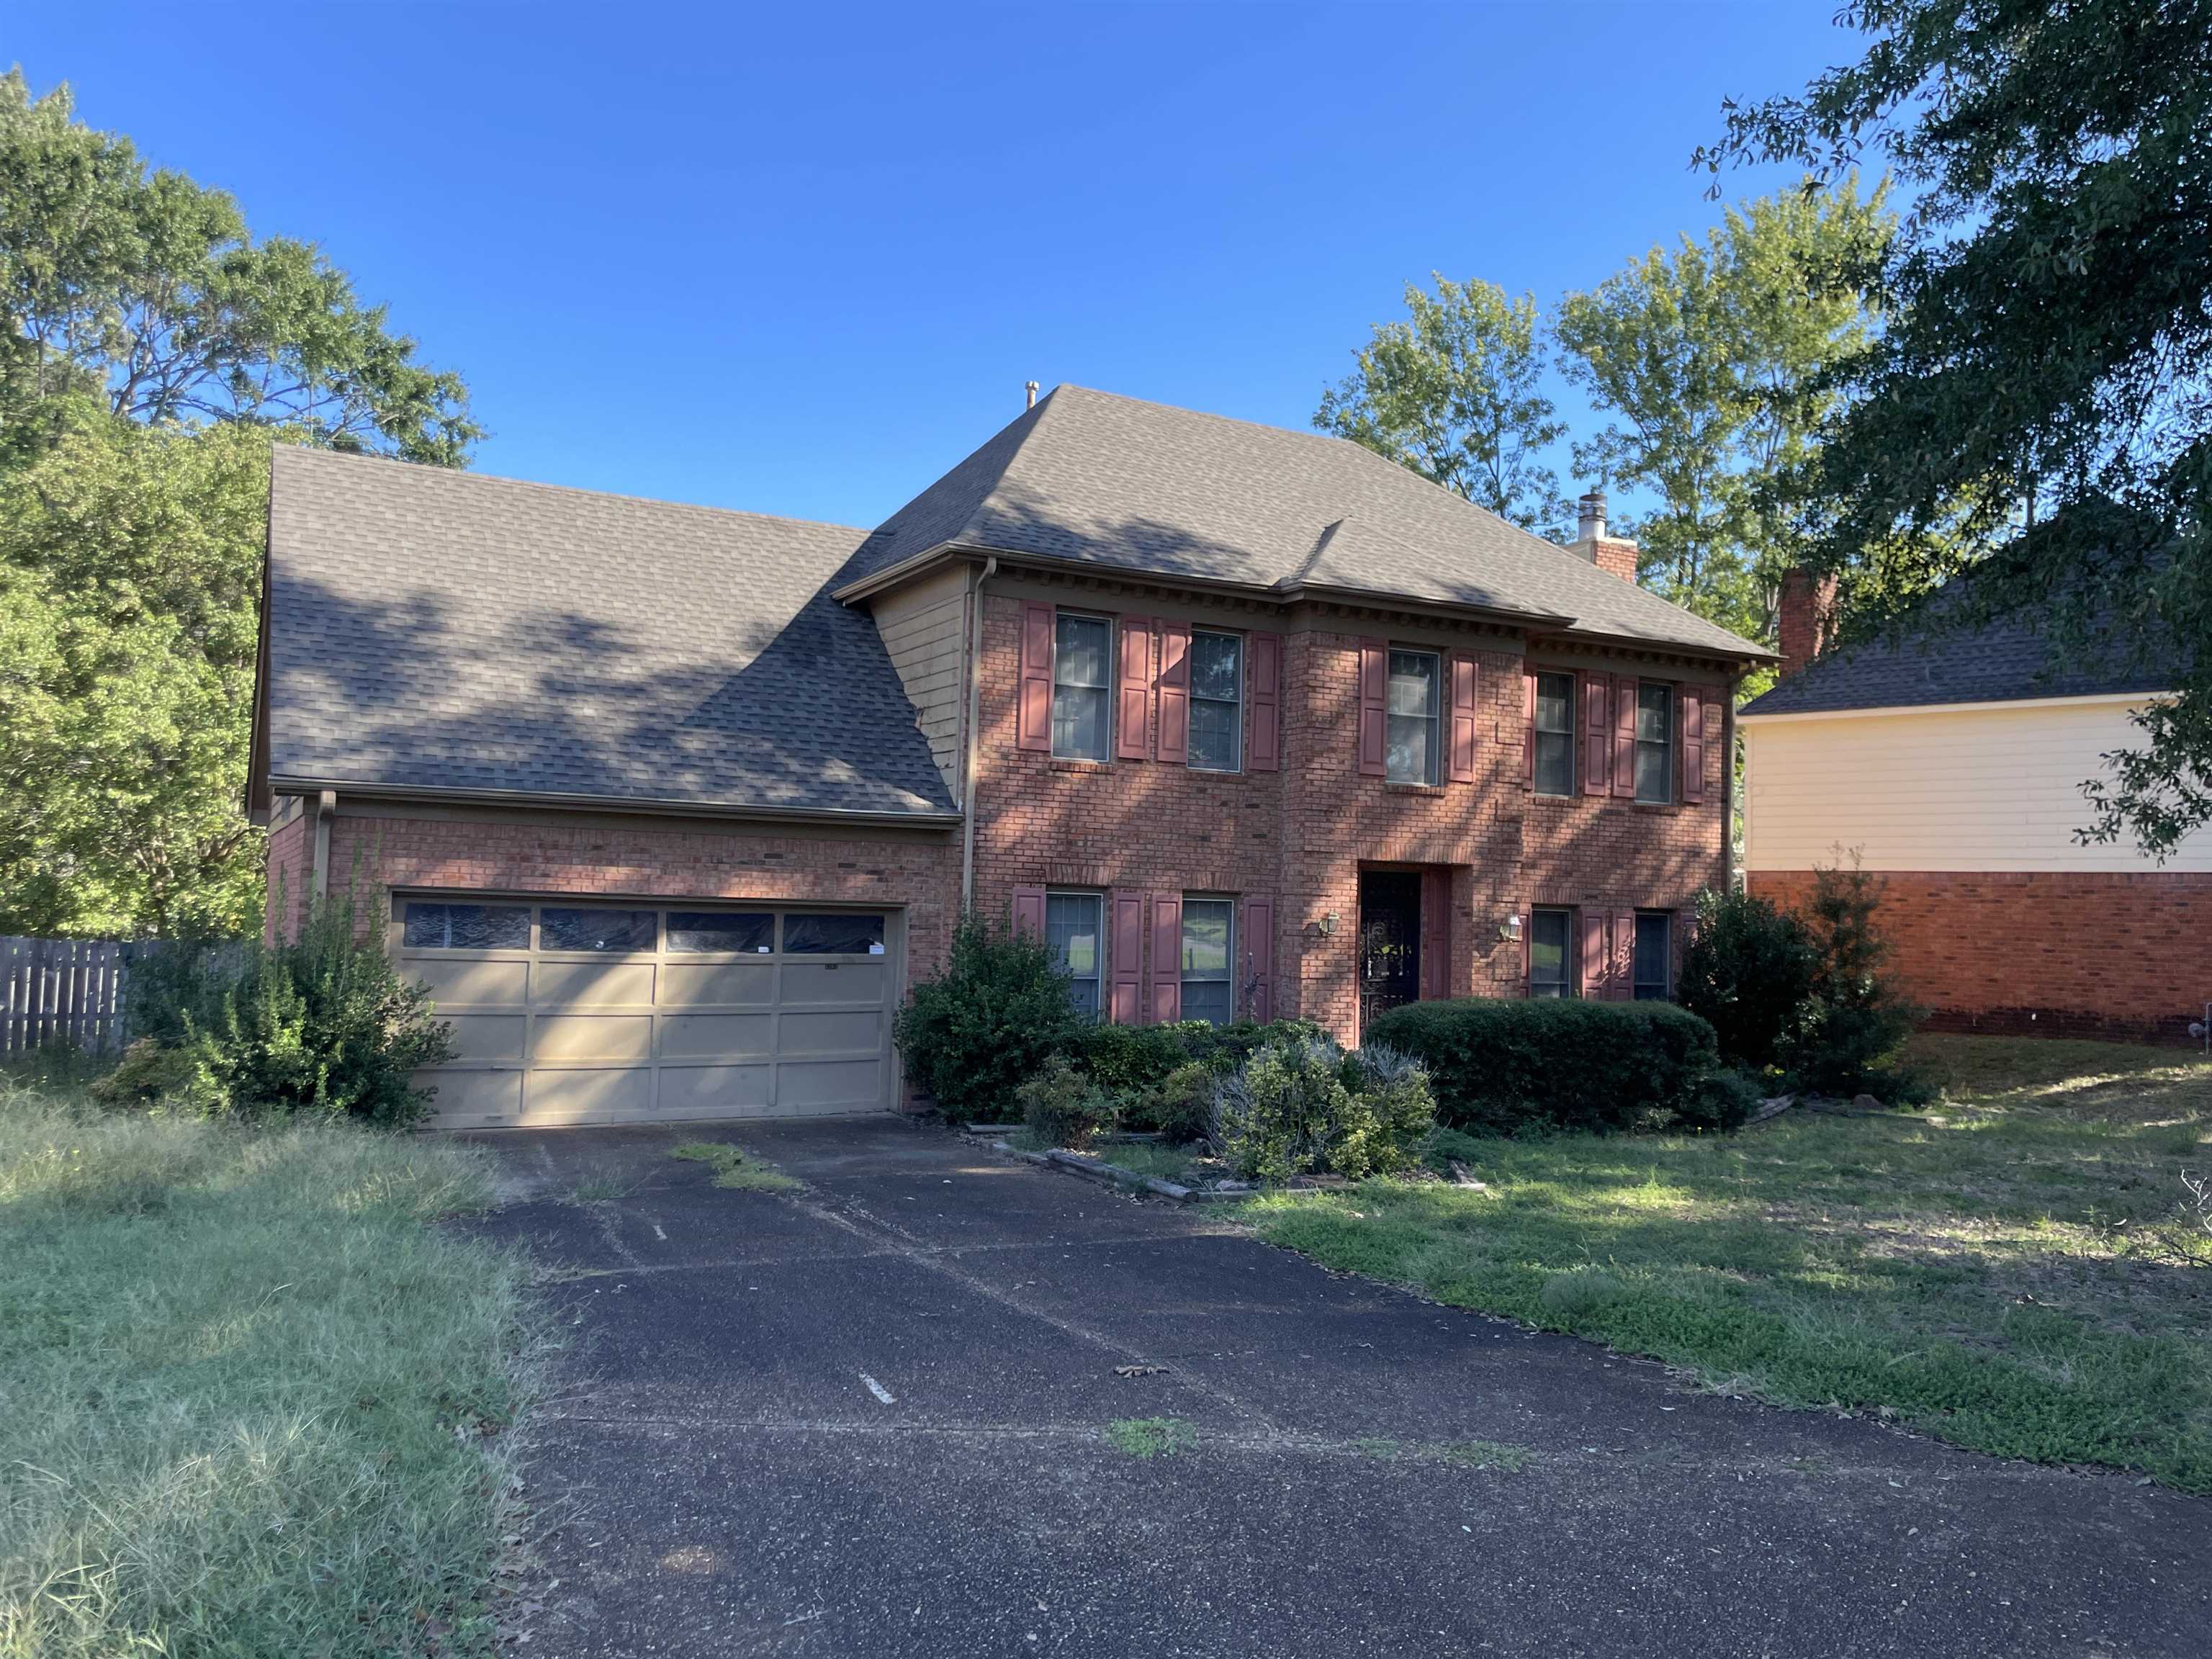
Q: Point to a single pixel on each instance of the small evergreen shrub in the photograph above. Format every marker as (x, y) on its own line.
(1499, 1067)
(1746, 972)
(1063, 1107)
(989, 1022)
(1301, 1106)
(1855, 1017)
(1136, 1059)
(1723, 1099)
(1181, 1107)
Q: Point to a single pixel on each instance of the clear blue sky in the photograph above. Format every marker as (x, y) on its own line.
(801, 260)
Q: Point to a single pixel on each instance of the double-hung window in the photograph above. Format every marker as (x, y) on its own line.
(1411, 735)
(1209, 991)
(1655, 956)
(1655, 743)
(1082, 665)
(1073, 933)
(1551, 953)
(1217, 702)
(1555, 734)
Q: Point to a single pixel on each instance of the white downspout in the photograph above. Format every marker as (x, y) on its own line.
(989, 568)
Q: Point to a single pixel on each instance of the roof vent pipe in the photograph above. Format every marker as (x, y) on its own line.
(1589, 517)
(1032, 387)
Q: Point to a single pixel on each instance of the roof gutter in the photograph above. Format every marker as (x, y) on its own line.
(650, 805)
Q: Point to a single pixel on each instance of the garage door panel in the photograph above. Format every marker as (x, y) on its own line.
(592, 1036)
(729, 984)
(715, 1037)
(717, 1090)
(834, 981)
(466, 1099)
(461, 983)
(594, 984)
(839, 1031)
(489, 1036)
(600, 1095)
(829, 1086)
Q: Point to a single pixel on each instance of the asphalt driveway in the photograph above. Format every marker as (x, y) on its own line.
(871, 1418)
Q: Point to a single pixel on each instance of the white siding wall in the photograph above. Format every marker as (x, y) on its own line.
(925, 629)
(1993, 786)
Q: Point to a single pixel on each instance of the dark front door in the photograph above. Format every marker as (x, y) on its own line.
(1389, 941)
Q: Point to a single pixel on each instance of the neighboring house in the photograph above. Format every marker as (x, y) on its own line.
(1951, 762)
(673, 804)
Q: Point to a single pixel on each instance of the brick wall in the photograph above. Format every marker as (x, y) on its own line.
(1302, 834)
(2123, 956)
(290, 854)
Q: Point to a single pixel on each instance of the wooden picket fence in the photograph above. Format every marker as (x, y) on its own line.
(72, 993)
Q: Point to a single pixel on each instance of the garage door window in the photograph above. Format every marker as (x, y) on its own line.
(833, 934)
(467, 927)
(597, 931)
(749, 933)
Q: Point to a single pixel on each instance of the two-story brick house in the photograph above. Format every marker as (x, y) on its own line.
(673, 804)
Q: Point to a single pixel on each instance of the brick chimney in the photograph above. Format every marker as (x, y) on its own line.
(1807, 615)
(1614, 553)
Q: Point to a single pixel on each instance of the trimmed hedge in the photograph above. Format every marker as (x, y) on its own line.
(1496, 1066)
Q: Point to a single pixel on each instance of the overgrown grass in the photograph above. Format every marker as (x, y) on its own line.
(734, 1166)
(2003, 1275)
(252, 1401)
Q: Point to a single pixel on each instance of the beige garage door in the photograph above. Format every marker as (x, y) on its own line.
(623, 1013)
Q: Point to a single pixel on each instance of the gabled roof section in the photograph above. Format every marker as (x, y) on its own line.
(451, 632)
(1092, 479)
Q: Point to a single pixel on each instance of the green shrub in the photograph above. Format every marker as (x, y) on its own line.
(1064, 1107)
(991, 1020)
(1723, 1099)
(1181, 1107)
(1854, 1017)
(1136, 1059)
(1497, 1066)
(1746, 972)
(1301, 1106)
(321, 1023)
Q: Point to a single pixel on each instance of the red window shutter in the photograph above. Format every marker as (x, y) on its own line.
(1598, 734)
(1527, 731)
(1623, 976)
(1033, 713)
(1527, 953)
(1167, 958)
(1597, 958)
(1124, 951)
(1464, 681)
(1259, 941)
(1693, 745)
(1029, 911)
(1175, 692)
(1435, 934)
(1133, 709)
(1624, 737)
(1265, 674)
(1374, 690)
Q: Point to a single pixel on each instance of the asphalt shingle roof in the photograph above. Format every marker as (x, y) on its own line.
(1090, 476)
(2001, 662)
(432, 628)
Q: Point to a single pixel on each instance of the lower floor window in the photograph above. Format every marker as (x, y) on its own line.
(1208, 992)
(1550, 958)
(1071, 935)
(1655, 956)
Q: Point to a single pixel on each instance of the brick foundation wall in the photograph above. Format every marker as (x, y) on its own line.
(1302, 834)
(2120, 956)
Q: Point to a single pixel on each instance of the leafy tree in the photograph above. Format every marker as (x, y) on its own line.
(1746, 972)
(1452, 393)
(147, 288)
(1708, 361)
(2043, 385)
(130, 559)
(1854, 1016)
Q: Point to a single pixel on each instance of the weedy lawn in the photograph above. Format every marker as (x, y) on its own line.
(252, 1401)
(2012, 1270)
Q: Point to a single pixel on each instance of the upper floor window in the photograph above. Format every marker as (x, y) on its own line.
(1208, 991)
(1411, 736)
(1551, 953)
(1217, 702)
(1555, 734)
(1655, 742)
(1082, 661)
(1071, 935)
(1655, 956)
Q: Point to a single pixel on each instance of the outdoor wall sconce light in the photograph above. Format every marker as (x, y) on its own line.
(1510, 929)
(1328, 923)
